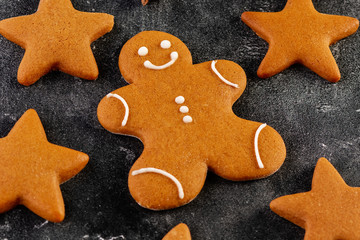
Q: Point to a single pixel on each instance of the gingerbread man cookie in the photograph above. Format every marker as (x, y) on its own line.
(183, 114)
(331, 210)
(56, 37)
(180, 232)
(31, 169)
(300, 34)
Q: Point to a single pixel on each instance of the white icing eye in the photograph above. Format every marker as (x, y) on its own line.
(174, 55)
(143, 51)
(180, 100)
(184, 109)
(165, 44)
(187, 119)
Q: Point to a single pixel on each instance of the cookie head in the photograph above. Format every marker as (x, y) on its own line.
(153, 53)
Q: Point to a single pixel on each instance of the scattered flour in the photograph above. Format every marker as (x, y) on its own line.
(41, 225)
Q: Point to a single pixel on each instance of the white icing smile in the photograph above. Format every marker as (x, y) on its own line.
(174, 56)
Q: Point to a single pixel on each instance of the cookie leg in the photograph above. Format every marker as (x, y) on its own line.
(159, 181)
(237, 159)
(120, 111)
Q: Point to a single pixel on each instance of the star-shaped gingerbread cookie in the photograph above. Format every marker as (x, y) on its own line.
(331, 210)
(300, 34)
(56, 37)
(180, 232)
(31, 169)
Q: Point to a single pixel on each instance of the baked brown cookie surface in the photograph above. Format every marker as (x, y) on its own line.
(183, 114)
(180, 232)
(31, 169)
(56, 37)
(300, 34)
(331, 210)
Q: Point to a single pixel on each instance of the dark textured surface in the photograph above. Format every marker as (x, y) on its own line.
(316, 119)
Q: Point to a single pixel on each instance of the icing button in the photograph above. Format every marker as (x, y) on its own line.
(180, 100)
(184, 109)
(187, 119)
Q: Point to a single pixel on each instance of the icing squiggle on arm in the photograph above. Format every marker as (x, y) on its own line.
(164, 173)
(114, 95)
(258, 159)
(221, 77)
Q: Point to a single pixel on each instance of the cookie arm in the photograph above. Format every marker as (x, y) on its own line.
(227, 76)
(248, 150)
(121, 111)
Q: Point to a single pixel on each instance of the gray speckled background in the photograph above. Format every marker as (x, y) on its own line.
(316, 118)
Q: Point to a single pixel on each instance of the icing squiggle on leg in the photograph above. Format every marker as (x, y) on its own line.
(125, 105)
(258, 159)
(221, 77)
(164, 173)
